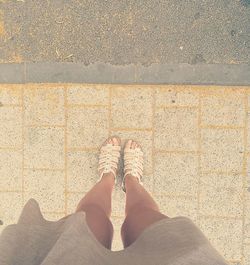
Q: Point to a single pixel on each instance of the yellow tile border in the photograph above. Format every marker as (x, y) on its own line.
(153, 137)
(44, 126)
(229, 172)
(44, 169)
(110, 111)
(65, 93)
(22, 101)
(11, 191)
(229, 89)
(164, 151)
(199, 161)
(207, 216)
(235, 261)
(10, 105)
(132, 129)
(218, 127)
(100, 86)
(14, 149)
(84, 149)
(176, 107)
(174, 196)
(244, 174)
(80, 106)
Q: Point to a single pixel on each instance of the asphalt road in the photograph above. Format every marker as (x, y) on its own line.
(125, 32)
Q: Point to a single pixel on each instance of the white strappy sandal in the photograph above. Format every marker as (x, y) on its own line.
(133, 164)
(109, 157)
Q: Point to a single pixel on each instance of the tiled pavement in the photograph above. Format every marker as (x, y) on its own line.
(196, 142)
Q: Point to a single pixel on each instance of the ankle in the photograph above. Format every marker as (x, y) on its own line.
(108, 178)
(130, 180)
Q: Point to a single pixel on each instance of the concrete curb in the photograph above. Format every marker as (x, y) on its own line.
(99, 73)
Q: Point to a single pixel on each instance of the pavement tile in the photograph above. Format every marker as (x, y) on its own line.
(176, 129)
(44, 147)
(131, 108)
(176, 174)
(10, 208)
(118, 202)
(53, 216)
(223, 110)
(247, 205)
(82, 171)
(117, 241)
(90, 95)
(175, 96)
(221, 195)
(225, 235)
(248, 131)
(11, 127)
(246, 253)
(178, 206)
(10, 95)
(87, 127)
(44, 106)
(47, 187)
(73, 200)
(222, 149)
(11, 170)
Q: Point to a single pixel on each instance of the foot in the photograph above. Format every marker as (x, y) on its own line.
(110, 157)
(133, 163)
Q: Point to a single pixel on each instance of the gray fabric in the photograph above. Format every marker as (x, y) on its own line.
(34, 240)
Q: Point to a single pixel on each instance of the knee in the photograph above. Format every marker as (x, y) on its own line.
(139, 215)
(98, 217)
(141, 207)
(100, 224)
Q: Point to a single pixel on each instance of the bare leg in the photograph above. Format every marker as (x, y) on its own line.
(141, 211)
(97, 205)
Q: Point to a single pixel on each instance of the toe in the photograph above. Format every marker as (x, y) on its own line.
(115, 141)
(128, 144)
(138, 146)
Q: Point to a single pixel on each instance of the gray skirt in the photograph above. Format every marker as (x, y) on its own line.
(34, 240)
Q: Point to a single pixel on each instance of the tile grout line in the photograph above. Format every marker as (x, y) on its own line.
(244, 174)
(87, 106)
(44, 169)
(109, 109)
(199, 159)
(226, 127)
(131, 129)
(177, 107)
(22, 145)
(153, 138)
(9, 191)
(205, 88)
(65, 150)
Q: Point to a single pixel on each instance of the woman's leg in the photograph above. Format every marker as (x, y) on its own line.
(141, 211)
(97, 205)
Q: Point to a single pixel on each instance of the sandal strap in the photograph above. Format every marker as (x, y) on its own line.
(133, 164)
(108, 158)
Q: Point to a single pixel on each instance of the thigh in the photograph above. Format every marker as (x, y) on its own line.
(136, 222)
(100, 225)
